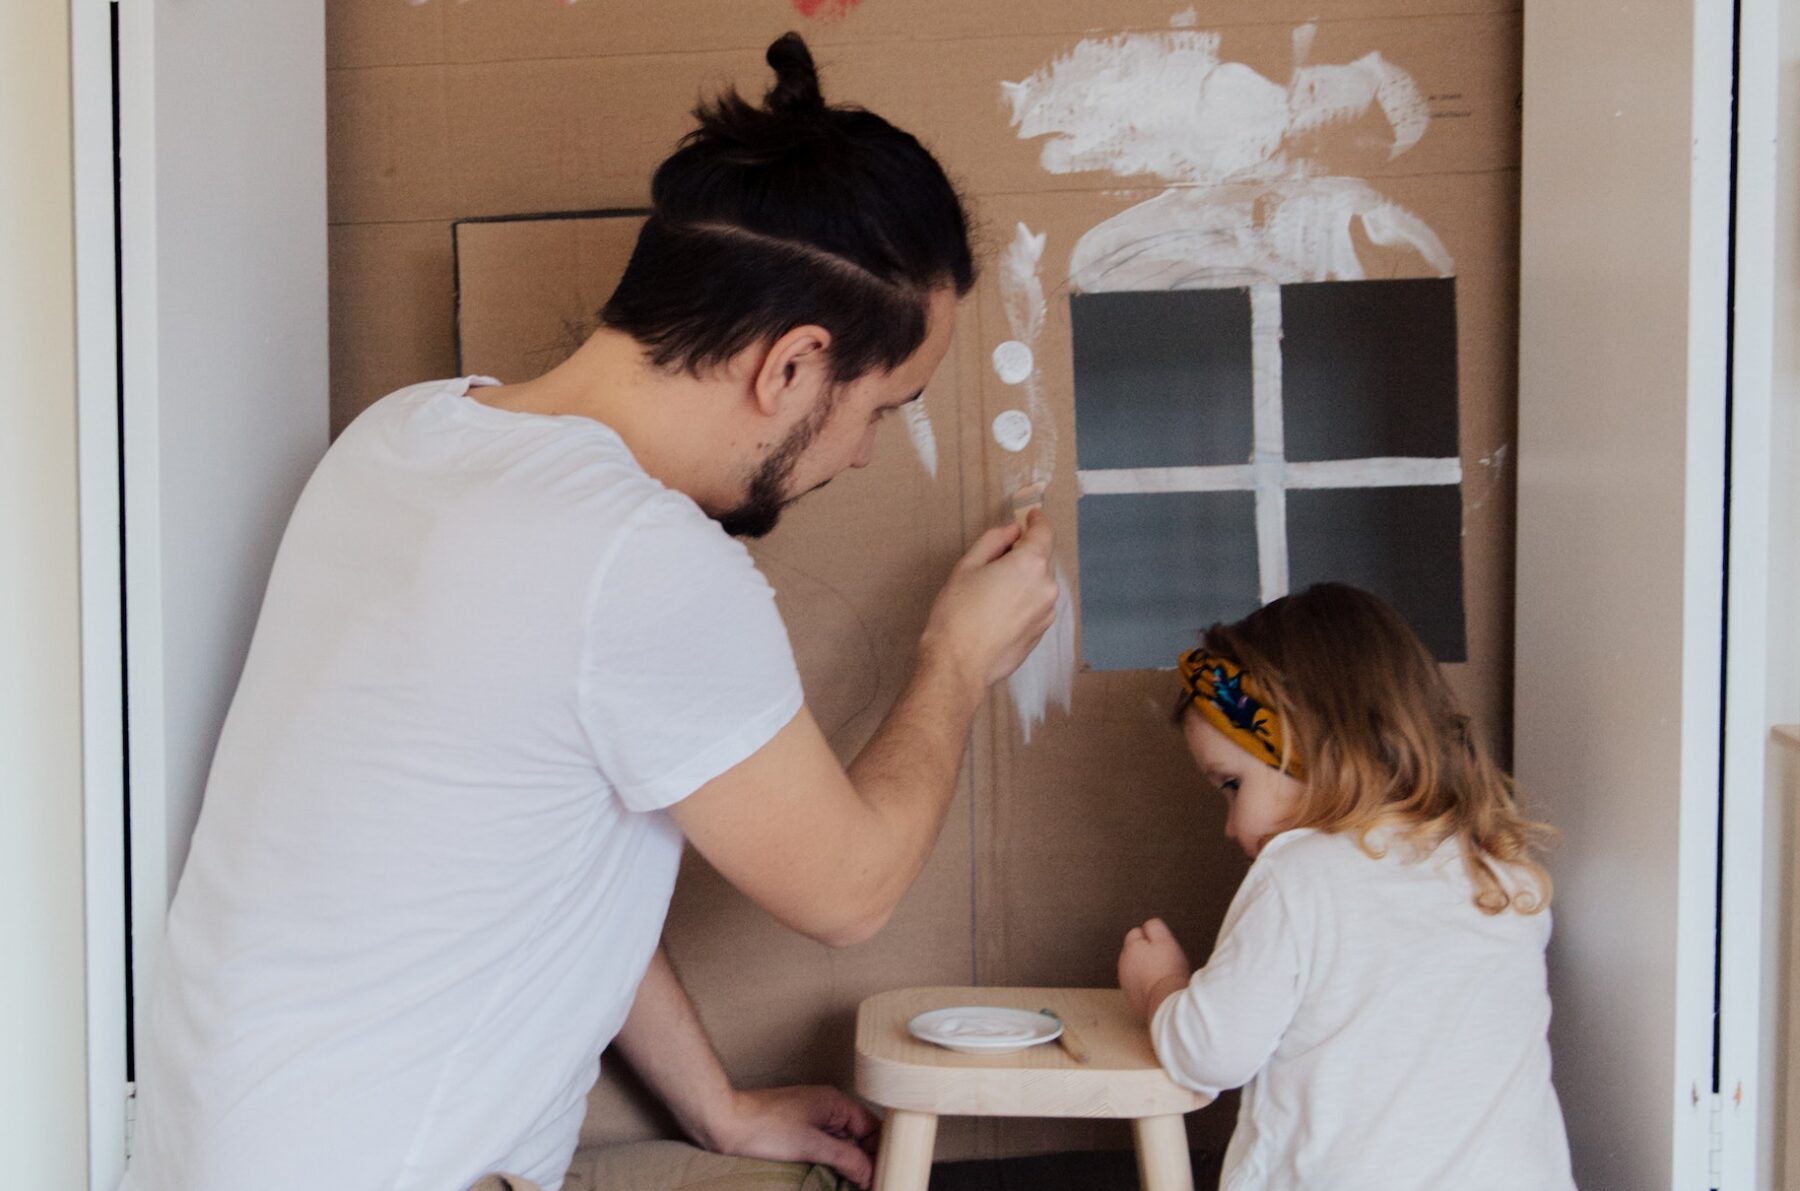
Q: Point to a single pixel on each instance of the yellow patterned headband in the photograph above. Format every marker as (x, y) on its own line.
(1232, 702)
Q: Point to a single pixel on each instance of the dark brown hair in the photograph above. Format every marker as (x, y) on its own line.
(792, 213)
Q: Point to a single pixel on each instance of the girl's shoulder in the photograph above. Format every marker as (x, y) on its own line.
(1328, 874)
(1307, 858)
(1308, 846)
(1304, 849)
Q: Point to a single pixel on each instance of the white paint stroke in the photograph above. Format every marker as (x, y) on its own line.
(1047, 674)
(1241, 207)
(918, 428)
(1167, 104)
(1387, 472)
(1319, 96)
(1238, 235)
(1187, 18)
(1013, 362)
(1269, 442)
(1129, 481)
(1268, 437)
(1021, 288)
(1153, 103)
(1271, 542)
(1012, 430)
(1496, 469)
(1303, 43)
(1022, 298)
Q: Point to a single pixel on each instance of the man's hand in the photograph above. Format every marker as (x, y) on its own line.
(1152, 967)
(998, 601)
(799, 1124)
(664, 1041)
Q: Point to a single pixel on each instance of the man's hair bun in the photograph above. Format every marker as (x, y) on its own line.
(792, 211)
(796, 86)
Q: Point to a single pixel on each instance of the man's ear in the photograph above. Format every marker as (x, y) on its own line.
(794, 368)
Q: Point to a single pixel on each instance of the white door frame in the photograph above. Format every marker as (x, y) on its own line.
(214, 326)
(102, 604)
(141, 454)
(1754, 824)
(1624, 285)
(120, 544)
(1728, 267)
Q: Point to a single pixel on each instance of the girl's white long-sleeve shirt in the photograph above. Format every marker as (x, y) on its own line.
(1388, 1034)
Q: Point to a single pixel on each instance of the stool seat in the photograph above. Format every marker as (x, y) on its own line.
(919, 1082)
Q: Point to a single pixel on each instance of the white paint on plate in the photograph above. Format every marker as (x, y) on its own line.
(985, 1029)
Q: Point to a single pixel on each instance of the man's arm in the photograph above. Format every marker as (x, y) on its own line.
(830, 853)
(665, 1043)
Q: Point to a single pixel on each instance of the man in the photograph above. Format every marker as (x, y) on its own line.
(509, 658)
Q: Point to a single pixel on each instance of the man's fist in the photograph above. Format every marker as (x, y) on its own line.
(999, 599)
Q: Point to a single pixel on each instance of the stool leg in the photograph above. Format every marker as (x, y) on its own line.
(1162, 1154)
(904, 1161)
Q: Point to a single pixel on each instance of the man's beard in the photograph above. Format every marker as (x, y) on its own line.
(762, 506)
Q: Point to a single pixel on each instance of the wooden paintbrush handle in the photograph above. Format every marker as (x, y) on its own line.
(1069, 1040)
(1026, 499)
(1072, 1044)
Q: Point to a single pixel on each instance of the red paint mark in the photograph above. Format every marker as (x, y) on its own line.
(826, 10)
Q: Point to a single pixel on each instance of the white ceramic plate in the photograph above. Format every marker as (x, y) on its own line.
(984, 1029)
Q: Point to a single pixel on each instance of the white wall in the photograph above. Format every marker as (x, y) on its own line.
(43, 1111)
(223, 141)
(1779, 1112)
(1784, 529)
(1621, 444)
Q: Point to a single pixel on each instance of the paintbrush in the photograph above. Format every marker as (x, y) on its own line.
(1069, 1040)
(1030, 497)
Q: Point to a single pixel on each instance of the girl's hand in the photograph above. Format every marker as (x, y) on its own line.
(1152, 966)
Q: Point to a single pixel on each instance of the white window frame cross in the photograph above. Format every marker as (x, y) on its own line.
(1269, 474)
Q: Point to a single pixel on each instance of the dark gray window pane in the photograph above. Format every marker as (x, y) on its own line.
(1162, 379)
(1403, 544)
(1157, 569)
(1368, 368)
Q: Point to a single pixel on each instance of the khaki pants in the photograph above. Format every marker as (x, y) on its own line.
(675, 1166)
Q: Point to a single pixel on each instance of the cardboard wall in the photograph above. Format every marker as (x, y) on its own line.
(446, 113)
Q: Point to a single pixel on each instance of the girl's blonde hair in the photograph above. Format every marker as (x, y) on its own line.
(1383, 740)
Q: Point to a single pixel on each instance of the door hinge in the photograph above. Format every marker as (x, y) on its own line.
(1715, 1147)
(130, 1117)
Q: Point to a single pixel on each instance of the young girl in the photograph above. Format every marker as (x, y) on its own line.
(1378, 984)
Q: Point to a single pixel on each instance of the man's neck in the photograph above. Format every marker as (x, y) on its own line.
(676, 426)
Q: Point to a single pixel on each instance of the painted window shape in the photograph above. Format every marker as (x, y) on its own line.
(1236, 444)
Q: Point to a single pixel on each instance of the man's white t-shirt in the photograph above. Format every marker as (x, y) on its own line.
(1388, 1034)
(434, 856)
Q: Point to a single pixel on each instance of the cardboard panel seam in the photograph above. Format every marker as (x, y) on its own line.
(824, 37)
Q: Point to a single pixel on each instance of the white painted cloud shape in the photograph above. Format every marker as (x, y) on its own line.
(1243, 207)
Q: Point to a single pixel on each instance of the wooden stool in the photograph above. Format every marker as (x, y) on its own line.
(918, 1082)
